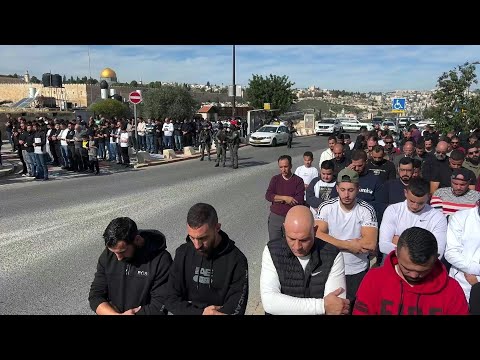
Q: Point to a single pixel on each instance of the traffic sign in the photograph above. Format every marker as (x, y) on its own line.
(135, 97)
(398, 104)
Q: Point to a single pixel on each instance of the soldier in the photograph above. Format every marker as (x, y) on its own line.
(221, 145)
(205, 139)
(233, 141)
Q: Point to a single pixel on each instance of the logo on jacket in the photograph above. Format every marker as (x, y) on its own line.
(142, 273)
(364, 190)
(203, 276)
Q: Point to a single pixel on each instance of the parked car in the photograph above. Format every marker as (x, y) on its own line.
(269, 135)
(329, 126)
(354, 125)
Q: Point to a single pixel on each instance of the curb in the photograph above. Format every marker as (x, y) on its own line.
(155, 163)
(196, 156)
(7, 169)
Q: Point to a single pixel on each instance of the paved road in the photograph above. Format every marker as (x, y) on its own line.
(50, 236)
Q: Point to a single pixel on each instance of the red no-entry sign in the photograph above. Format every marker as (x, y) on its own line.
(135, 97)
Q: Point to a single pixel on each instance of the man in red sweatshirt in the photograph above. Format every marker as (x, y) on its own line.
(411, 282)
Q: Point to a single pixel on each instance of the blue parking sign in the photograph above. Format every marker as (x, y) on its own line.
(398, 104)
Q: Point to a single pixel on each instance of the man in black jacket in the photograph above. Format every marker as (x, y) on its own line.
(132, 272)
(209, 275)
(301, 274)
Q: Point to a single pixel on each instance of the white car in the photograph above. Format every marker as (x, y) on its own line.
(269, 135)
(328, 126)
(355, 125)
(423, 123)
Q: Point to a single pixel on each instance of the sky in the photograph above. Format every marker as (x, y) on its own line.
(341, 67)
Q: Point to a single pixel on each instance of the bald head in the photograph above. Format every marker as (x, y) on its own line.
(408, 148)
(299, 217)
(338, 151)
(300, 230)
(442, 146)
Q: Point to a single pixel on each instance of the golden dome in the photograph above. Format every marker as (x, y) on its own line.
(108, 73)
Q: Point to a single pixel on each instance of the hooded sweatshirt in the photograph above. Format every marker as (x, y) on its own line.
(139, 281)
(384, 292)
(197, 281)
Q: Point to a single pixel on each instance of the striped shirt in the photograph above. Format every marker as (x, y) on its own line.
(447, 202)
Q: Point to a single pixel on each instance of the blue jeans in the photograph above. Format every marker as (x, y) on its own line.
(150, 143)
(42, 169)
(112, 151)
(33, 163)
(167, 142)
(141, 142)
(66, 160)
(101, 150)
(178, 142)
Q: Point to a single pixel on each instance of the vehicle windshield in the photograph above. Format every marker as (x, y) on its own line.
(327, 121)
(268, 129)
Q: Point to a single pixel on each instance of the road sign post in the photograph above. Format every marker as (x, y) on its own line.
(135, 98)
(399, 105)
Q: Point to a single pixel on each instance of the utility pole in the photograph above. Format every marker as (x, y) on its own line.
(234, 87)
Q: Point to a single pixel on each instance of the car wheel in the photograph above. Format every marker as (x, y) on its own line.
(274, 142)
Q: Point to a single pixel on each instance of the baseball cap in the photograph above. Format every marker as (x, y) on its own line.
(461, 174)
(347, 175)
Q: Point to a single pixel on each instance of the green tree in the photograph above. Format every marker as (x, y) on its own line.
(456, 106)
(273, 89)
(34, 80)
(133, 83)
(84, 80)
(71, 81)
(208, 83)
(64, 79)
(379, 113)
(169, 101)
(77, 81)
(110, 108)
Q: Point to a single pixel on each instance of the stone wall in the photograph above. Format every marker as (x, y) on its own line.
(74, 93)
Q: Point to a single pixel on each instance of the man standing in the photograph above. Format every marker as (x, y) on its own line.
(351, 225)
(472, 160)
(306, 171)
(395, 189)
(301, 274)
(233, 141)
(284, 191)
(463, 247)
(209, 275)
(340, 160)
(412, 282)
(328, 154)
(414, 211)
(379, 166)
(221, 145)
(456, 197)
(132, 271)
(442, 177)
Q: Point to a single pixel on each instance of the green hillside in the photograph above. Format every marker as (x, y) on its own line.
(323, 106)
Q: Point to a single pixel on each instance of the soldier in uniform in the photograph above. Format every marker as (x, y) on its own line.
(205, 139)
(221, 145)
(233, 141)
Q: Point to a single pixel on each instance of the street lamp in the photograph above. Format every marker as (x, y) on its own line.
(234, 87)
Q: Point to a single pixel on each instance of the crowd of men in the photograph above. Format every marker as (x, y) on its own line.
(405, 217)
(78, 146)
(383, 226)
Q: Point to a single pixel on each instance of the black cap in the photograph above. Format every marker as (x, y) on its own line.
(462, 174)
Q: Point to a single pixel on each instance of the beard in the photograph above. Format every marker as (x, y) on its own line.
(441, 157)
(412, 280)
(405, 179)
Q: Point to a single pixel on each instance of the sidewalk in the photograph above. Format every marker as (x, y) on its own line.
(12, 166)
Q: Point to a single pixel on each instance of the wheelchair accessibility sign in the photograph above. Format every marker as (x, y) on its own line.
(398, 105)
